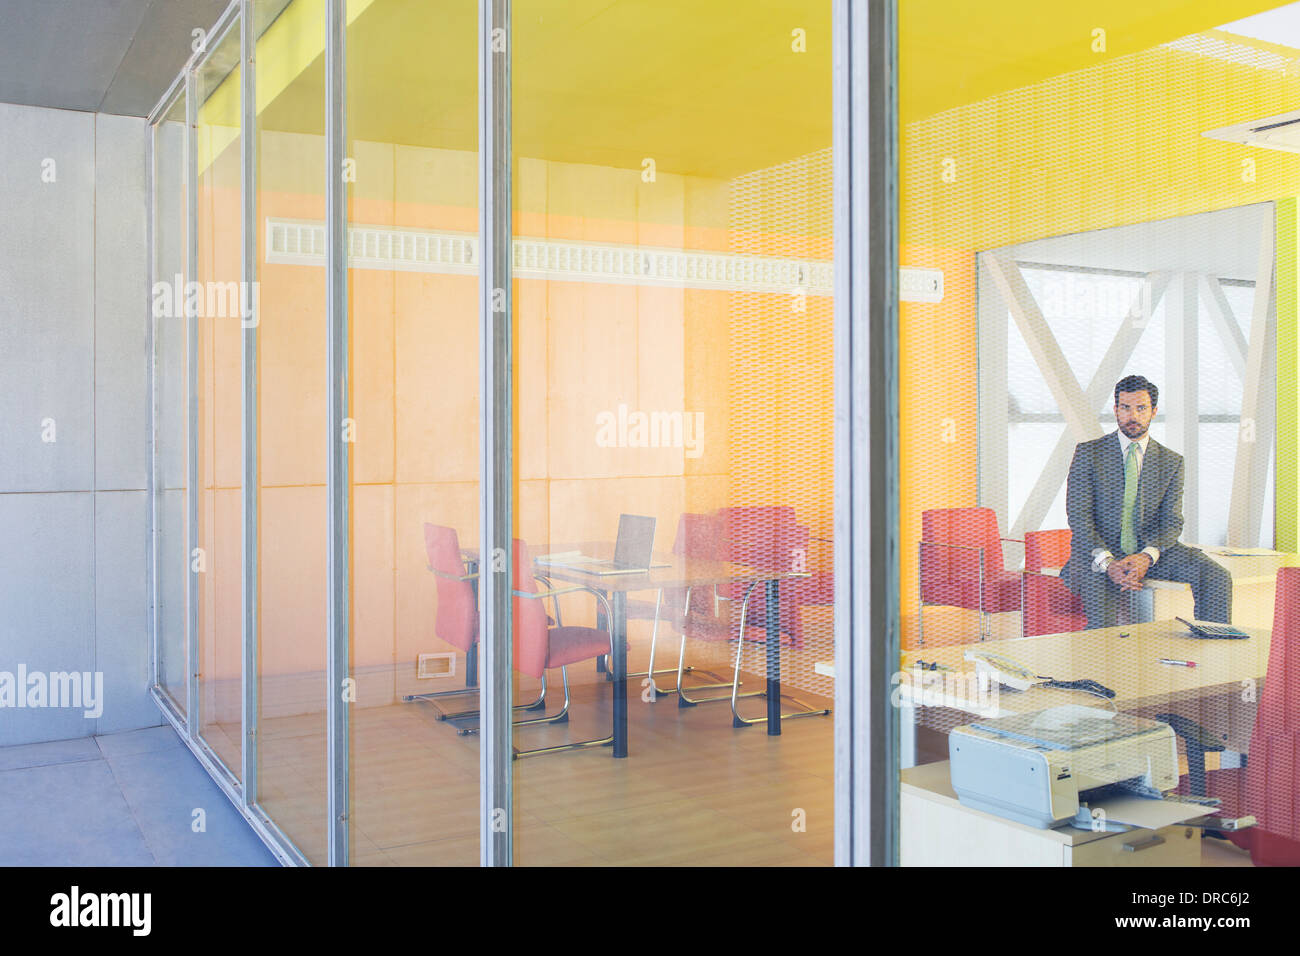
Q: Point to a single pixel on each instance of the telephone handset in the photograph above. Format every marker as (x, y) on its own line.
(1003, 670)
(1009, 673)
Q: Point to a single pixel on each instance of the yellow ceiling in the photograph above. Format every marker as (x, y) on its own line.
(953, 52)
(704, 87)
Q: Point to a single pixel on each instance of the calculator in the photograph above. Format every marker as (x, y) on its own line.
(1215, 632)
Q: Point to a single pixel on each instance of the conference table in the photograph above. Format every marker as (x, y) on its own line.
(667, 571)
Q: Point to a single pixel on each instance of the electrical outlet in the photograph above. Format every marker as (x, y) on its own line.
(435, 665)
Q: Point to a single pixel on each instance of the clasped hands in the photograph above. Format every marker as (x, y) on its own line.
(1128, 572)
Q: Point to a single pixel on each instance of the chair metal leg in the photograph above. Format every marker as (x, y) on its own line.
(651, 672)
(562, 716)
(736, 719)
(440, 714)
(537, 704)
(683, 699)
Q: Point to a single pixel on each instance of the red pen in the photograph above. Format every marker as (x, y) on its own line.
(1170, 660)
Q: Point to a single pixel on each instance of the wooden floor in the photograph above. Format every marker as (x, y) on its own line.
(693, 791)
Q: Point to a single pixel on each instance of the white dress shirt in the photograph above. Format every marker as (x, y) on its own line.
(1101, 558)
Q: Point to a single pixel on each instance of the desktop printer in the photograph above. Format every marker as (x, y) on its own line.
(1037, 768)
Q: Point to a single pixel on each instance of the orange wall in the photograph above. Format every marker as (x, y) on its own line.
(756, 366)
(938, 389)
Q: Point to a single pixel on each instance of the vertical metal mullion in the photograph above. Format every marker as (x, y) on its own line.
(192, 429)
(876, 214)
(867, 639)
(248, 323)
(336, 317)
(151, 373)
(496, 463)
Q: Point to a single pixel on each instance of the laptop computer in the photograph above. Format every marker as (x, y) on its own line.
(632, 547)
(632, 551)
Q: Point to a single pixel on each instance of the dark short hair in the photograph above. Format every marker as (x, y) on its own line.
(1137, 383)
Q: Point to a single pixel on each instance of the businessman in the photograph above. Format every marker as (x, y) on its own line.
(1124, 501)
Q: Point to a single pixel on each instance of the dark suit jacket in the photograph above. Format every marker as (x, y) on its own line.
(1094, 499)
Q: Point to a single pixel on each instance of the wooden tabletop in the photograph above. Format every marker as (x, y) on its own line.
(1127, 665)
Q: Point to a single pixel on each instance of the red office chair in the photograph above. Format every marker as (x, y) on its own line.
(960, 565)
(698, 536)
(1049, 606)
(539, 646)
(757, 537)
(767, 537)
(1266, 786)
(456, 621)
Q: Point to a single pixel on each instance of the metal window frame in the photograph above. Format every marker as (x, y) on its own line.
(193, 704)
(217, 35)
(496, 462)
(867, 636)
(227, 24)
(249, 408)
(174, 94)
(338, 622)
(151, 478)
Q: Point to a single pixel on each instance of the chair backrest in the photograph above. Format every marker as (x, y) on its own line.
(531, 632)
(763, 536)
(1046, 549)
(1273, 765)
(699, 536)
(968, 527)
(456, 620)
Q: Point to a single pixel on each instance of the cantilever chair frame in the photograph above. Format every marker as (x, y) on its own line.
(736, 720)
(985, 616)
(563, 715)
(432, 697)
(655, 690)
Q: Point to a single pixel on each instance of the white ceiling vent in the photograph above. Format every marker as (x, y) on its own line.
(302, 242)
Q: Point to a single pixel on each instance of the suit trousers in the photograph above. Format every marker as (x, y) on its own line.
(1211, 586)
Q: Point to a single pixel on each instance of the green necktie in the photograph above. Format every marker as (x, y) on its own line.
(1128, 541)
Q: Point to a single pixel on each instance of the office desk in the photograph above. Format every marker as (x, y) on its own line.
(675, 572)
(1127, 665)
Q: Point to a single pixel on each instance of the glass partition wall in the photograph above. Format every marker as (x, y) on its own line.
(290, 422)
(171, 392)
(673, 339)
(671, 407)
(411, 176)
(216, 560)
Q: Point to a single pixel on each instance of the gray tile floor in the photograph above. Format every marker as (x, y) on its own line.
(125, 799)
